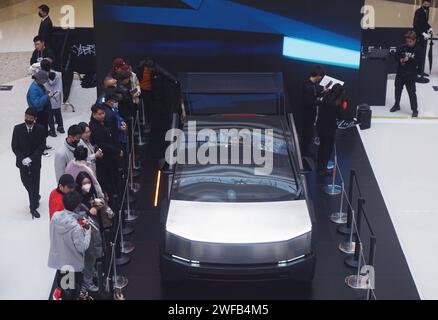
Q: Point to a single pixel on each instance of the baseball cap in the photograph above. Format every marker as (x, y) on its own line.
(118, 62)
(41, 75)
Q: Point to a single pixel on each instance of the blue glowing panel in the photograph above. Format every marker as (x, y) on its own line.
(306, 50)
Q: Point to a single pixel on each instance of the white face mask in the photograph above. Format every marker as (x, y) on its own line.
(86, 187)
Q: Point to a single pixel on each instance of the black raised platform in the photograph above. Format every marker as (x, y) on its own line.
(393, 278)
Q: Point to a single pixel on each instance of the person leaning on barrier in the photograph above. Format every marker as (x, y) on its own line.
(70, 236)
(329, 112)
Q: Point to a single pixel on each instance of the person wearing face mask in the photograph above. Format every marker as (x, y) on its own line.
(70, 236)
(91, 205)
(54, 84)
(79, 164)
(424, 31)
(66, 153)
(93, 152)
(66, 184)
(46, 26)
(28, 144)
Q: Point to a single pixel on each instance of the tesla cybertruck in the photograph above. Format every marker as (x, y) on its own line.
(235, 220)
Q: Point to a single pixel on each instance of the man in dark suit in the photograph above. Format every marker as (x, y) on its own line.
(106, 167)
(46, 25)
(423, 30)
(28, 144)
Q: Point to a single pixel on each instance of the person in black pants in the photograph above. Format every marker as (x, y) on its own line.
(46, 26)
(327, 126)
(311, 92)
(408, 57)
(28, 144)
(106, 167)
(423, 31)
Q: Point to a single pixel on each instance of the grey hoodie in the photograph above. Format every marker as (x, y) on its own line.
(68, 241)
(55, 86)
(62, 157)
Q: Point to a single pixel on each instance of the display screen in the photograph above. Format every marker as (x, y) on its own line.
(234, 36)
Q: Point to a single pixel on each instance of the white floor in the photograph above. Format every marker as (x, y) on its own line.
(404, 158)
(427, 97)
(24, 243)
(427, 101)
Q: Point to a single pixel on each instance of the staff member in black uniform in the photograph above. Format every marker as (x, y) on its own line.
(423, 31)
(408, 57)
(328, 114)
(309, 103)
(28, 144)
(46, 26)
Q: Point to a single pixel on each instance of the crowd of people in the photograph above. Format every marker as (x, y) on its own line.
(92, 165)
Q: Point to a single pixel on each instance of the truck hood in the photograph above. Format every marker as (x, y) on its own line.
(238, 223)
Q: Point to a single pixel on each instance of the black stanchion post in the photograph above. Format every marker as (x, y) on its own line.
(99, 269)
(354, 261)
(346, 228)
(121, 258)
(372, 253)
(372, 256)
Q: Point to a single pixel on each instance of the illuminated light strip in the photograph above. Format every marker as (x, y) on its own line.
(192, 262)
(284, 263)
(311, 51)
(157, 189)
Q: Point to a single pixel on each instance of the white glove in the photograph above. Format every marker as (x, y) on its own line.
(426, 36)
(26, 161)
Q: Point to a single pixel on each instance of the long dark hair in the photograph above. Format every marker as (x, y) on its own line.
(81, 177)
(336, 95)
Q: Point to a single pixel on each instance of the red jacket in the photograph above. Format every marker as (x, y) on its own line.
(55, 202)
